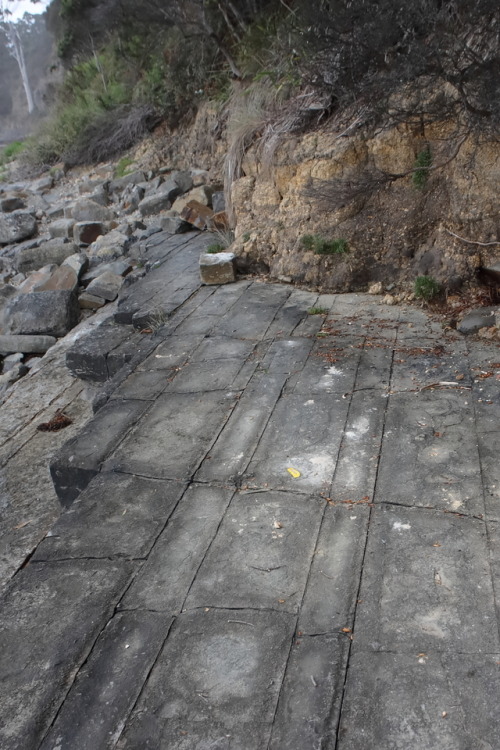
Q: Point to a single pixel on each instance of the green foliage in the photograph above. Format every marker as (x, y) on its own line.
(246, 236)
(422, 164)
(426, 288)
(122, 166)
(320, 246)
(317, 311)
(10, 152)
(214, 248)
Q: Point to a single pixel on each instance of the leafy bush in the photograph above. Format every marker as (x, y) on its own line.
(426, 288)
(320, 246)
(11, 151)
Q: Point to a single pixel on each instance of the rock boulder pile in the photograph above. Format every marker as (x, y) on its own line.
(69, 245)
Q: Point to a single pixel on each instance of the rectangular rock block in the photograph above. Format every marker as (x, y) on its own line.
(217, 268)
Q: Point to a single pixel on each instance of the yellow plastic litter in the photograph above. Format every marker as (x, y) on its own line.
(294, 473)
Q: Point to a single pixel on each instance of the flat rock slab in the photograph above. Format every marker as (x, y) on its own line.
(445, 701)
(25, 344)
(224, 669)
(270, 538)
(303, 434)
(194, 418)
(425, 574)
(50, 618)
(164, 581)
(118, 515)
(112, 677)
(429, 445)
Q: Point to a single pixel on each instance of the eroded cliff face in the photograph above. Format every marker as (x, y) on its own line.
(394, 231)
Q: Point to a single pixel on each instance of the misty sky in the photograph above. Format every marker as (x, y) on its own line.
(19, 7)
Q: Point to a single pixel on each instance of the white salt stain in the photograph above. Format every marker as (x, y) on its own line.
(398, 526)
(308, 403)
(334, 371)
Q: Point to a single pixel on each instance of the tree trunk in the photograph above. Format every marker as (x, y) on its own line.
(16, 50)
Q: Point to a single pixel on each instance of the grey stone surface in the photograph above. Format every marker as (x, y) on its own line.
(183, 414)
(313, 680)
(106, 285)
(16, 226)
(425, 575)
(117, 515)
(51, 313)
(80, 459)
(61, 228)
(54, 251)
(88, 358)
(68, 603)
(428, 446)
(417, 701)
(86, 210)
(25, 344)
(473, 321)
(303, 434)
(224, 678)
(270, 539)
(107, 687)
(181, 548)
(353, 606)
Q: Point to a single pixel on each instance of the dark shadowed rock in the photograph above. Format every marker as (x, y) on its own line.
(7, 205)
(476, 319)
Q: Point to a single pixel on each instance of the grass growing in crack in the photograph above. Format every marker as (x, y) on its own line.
(320, 246)
(317, 311)
(426, 288)
(157, 320)
(421, 166)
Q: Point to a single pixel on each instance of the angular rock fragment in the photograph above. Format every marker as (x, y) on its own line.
(197, 214)
(86, 232)
(54, 251)
(16, 226)
(53, 313)
(217, 268)
(62, 228)
(107, 286)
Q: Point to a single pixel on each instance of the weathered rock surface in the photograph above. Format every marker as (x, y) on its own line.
(197, 214)
(217, 268)
(16, 226)
(88, 210)
(7, 205)
(25, 344)
(476, 319)
(62, 228)
(106, 285)
(53, 313)
(54, 251)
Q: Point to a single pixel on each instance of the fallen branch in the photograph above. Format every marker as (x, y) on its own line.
(471, 242)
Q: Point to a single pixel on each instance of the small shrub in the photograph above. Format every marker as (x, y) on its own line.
(320, 246)
(317, 311)
(215, 248)
(422, 164)
(426, 288)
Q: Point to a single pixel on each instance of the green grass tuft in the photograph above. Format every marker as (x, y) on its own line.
(422, 164)
(426, 288)
(215, 248)
(317, 311)
(320, 246)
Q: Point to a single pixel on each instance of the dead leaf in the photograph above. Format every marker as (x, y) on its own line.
(58, 422)
(277, 525)
(459, 377)
(346, 630)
